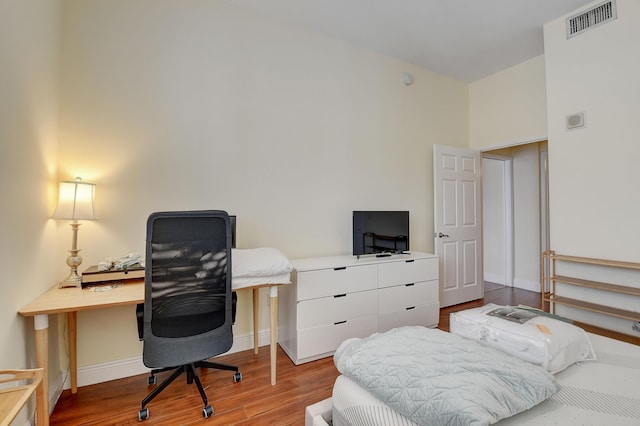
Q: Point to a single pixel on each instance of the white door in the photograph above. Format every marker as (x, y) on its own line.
(458, 223)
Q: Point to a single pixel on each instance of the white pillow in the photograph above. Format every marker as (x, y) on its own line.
(538, 339)
(257, 262)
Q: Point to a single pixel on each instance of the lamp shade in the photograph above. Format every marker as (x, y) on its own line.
(75, 201)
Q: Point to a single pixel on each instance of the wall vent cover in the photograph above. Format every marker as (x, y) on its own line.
(596, 16)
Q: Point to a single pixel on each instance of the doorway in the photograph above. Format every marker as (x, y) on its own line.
(515, 214)
(497, 214)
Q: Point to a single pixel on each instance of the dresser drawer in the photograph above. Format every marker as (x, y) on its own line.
(332, 309)
(329, 282)
(400, 297)
(426, 315)
(408, 271)
(324, 339)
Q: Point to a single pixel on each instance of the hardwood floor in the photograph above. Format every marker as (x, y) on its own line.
(253, 401)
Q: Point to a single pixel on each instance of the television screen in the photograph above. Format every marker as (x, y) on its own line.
(378, 232)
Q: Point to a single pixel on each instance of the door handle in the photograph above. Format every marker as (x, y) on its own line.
(440, 235)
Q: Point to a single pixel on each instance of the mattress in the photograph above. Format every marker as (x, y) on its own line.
(601, 392)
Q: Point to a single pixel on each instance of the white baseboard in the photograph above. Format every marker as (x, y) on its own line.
(119, 369)
(495, 278)
(527, 285)
(55, 389)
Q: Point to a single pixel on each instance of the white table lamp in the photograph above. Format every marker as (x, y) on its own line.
(75, 202)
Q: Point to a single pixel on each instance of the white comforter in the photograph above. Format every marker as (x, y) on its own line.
(436, 378)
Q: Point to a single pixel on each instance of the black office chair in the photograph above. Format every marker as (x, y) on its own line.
(187, 313)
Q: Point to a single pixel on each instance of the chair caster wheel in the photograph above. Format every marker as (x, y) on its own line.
(237, 377)
(143, 414)
(207, 411)
(151, 380)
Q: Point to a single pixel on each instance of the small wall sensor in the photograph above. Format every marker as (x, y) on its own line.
(407, 79)
(575, 121)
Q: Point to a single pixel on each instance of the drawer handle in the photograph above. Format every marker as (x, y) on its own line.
(410, 308)
(410, 284)
(340, 295)
(340, 268)
(340, 322)
(410, 260)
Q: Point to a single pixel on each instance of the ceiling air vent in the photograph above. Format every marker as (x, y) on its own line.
(598, 15)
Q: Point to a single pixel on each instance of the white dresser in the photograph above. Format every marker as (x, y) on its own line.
(335, 298)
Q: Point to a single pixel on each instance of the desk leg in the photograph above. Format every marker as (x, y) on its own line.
(72, 321)
(256, 319)
(273, 304)
(41, 326)
(41, 396)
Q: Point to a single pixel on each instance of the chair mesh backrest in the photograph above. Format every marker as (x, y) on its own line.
(187, 309)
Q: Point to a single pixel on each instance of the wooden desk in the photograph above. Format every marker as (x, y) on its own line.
(72, 300)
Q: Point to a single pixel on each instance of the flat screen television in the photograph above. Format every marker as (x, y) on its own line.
(380, 232)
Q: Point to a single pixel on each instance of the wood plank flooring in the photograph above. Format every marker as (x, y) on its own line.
(253, 401)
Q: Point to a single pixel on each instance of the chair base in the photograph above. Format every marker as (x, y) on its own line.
(192, 376)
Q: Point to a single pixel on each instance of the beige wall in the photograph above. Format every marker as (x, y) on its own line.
(172, 105)
(593, 171)
(508, 107)
(192, 105)
(28, 142)
(597, 72)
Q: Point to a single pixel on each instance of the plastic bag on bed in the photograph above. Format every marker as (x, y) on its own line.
(538, 339)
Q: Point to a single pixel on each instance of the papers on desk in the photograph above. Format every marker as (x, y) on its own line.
(93, 275)
(104, 286)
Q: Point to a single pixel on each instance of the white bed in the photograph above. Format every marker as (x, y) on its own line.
(601, 392)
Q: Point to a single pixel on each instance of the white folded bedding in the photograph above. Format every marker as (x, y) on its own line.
(264, 265)
(433, 377)
(259, 262)
(242, 282)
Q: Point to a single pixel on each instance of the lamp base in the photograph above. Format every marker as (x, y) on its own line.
(73, 280)
(74, 260)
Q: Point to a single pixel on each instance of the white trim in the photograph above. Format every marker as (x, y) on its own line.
(55, 389)
(113, 370)
(494, 278)
(513, 144)
(526, 285)
(509, 222)
(544, 215)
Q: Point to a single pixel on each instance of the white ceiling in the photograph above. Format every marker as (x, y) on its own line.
(464, 39)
